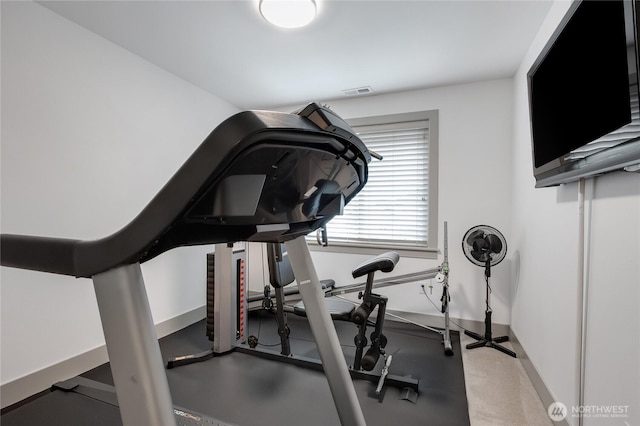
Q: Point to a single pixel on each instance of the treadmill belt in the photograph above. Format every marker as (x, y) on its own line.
(80, 402)
(58, 408)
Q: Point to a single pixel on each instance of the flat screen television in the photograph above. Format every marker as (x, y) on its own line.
(583, 94)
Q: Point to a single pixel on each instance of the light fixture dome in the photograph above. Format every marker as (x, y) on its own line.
(288, 13)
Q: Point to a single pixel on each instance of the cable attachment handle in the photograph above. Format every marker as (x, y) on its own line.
(384, 372)
(321, 236)
(376, 155)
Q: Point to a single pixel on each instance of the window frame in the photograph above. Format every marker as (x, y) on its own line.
(429, 252)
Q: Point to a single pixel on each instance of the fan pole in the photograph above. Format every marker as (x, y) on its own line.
(488, 340)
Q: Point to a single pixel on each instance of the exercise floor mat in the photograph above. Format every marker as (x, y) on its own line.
(245, 390)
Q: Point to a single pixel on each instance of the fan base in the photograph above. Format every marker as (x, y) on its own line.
(487, 341)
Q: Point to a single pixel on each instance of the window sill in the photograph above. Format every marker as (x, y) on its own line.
(428, 253)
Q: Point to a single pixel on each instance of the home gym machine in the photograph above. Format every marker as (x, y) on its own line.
(296, 172)
(227, 311)
(227, 314)
(226, 304)
(440, 274)
(281, 275)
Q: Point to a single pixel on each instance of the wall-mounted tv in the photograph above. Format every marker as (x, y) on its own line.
(583, 94)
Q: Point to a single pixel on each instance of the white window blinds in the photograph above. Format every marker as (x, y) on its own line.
(393, 208)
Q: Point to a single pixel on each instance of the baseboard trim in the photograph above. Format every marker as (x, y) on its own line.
(24, 387)
(538, 384)
(457, 324)
(181, 321)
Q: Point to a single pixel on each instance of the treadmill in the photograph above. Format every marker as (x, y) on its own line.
(259, 176)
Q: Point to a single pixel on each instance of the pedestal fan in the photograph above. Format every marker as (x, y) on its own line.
(485, 246)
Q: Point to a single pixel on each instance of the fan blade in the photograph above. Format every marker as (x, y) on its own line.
(480, 245)
(494, 242)
(474, 236)
(479, 256)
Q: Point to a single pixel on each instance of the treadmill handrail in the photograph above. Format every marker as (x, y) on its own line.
(153, 230)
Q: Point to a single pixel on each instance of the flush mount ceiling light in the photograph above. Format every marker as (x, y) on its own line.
(288, 13)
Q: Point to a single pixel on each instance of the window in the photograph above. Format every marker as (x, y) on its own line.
(397, 208)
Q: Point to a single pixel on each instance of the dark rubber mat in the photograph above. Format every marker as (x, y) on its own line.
(247, 390)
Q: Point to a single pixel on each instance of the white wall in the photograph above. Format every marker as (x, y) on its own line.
(90, 132)
(475, 129)
(545, 273)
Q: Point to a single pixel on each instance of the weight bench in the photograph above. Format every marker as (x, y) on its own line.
(296, 172)
(281, 275)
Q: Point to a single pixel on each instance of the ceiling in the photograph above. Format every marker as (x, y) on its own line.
(226, 48)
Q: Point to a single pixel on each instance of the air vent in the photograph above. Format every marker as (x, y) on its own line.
(357, 91)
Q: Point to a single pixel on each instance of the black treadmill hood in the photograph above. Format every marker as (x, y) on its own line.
(259, 176)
